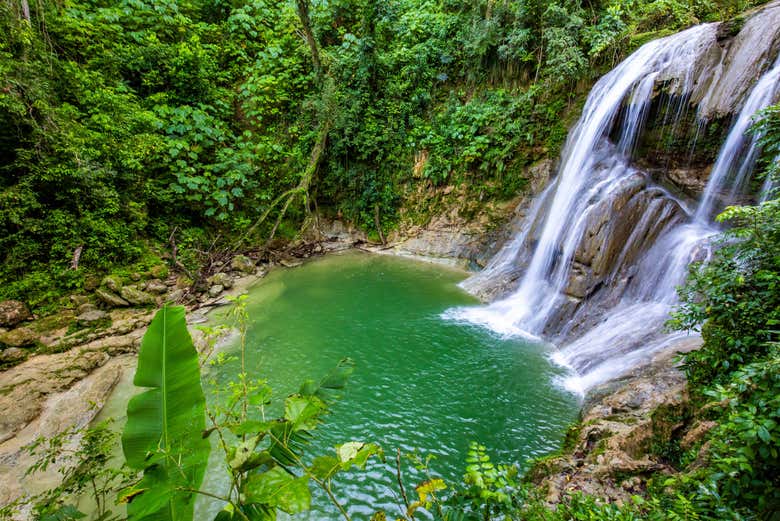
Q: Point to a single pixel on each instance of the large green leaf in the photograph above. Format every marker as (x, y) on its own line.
(277, 488)
(163, 434)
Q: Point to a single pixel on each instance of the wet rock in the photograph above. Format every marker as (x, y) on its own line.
(747, 55)
(92, 318)
(243, 264)
(137, 297)
(12, 355)
(610, 454)
(13, 312)
(222, 279)
(215, 290)
(19, 337)
(112, 282)
(156, 287)
(111, 299)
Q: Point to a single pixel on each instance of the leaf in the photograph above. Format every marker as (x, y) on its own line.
(325, 467)
(303, 411)
(277, 488)
(429, 488)
(162, 436)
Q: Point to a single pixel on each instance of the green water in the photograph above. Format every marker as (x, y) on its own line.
(420, 382)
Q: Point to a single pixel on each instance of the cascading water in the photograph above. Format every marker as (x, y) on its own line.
(588, 172)
(739, 153)
(567, 239)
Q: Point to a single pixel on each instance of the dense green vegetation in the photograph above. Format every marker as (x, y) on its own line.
(125, 123)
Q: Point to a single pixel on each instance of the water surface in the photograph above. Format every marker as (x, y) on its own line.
(421, 382)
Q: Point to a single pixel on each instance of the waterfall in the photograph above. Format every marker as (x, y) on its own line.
(738, 154)
(601, 251)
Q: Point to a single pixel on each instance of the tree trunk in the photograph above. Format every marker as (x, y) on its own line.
(303, 14)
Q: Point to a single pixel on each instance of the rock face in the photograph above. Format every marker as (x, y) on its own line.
(12, 355)
(748, 54)
(610, 455)
(74, 407)
(13, 312)
(25, 388)
(455, 237)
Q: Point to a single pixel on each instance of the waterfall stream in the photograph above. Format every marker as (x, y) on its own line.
(601, 251)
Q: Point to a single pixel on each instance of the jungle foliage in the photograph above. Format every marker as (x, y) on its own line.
(125, 123)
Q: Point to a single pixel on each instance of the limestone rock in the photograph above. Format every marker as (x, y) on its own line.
(136, 296)
(135, 276)
(112, 282)
(290, 263)
(175, 296)
(12, 312)
(19, 337)
(222, 279)
(111, 299)
(215, 290)
(243, 264)
(156, 286)
(92, 317)
(12, 355)
(86, 308)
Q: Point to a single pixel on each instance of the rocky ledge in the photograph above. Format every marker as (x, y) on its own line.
(614, 448)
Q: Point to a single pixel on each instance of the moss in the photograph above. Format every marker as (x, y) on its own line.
(638, 40)
(668, 420)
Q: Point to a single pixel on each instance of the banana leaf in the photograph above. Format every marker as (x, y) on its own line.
(163, 435)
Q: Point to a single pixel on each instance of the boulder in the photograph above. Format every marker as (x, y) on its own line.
(215, 290)
(12, 355)
(92, 317)
(156, 286)
(12, 312)
(135, 276)
(86, 308)
(112, 282)
(243, 264)
(137, 297)
(111, 299)
(222, 279)
(19, 337)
